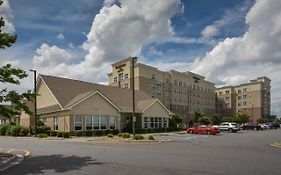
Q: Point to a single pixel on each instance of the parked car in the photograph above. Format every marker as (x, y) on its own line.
(250, 126)
(274, 125)
(264, 126)
(230, 127)
(203, 129)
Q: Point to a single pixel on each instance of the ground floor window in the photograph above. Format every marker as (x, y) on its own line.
(155, 122)
(55, 123)
(78, 122)
(112, 122)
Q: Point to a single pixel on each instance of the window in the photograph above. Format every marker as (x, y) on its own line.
(227, 92)
(244, 96)
(159, 93)
(184, 84)
(112, 122)
(55, 123)
(102, 120)
(151, 122)
(180, 91)
(165, 123)
(227, 105)
(158, 83)
(220, 93)
(244, 103)
(44, 120)
(126, 86)
(226, 98)
(96, 122)
(156, 124)
(167, 80)
(180, 83)
(244, 89)
(239, 104)
(88, 122)
(115, 79)
(78, 122)
(175, 82)
(146, 122)
(153, 76)
(239, 91)
(126, 76)
(160, 122)
(153, 95)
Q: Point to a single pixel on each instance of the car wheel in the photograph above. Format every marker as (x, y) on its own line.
(230, 130)
(190, 132)
(209, 132)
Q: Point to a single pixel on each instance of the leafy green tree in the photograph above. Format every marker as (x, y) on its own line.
(10, 75)
(228, 119)
(261, 120)
(241, 118)
(205, 120)
(197, 117)
(175, 121)
(216, 119)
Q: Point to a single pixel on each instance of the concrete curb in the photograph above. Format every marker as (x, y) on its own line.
(16, 159)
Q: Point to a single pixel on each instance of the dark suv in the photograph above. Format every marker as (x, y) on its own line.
(250, 126)
(274, 125)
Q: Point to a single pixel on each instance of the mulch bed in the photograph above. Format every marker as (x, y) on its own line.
(5, 156)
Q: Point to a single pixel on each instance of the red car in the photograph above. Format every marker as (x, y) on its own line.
(203, 129)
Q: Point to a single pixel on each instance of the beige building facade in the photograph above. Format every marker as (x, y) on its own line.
(72, 105)
(181, 92)
(252, 99)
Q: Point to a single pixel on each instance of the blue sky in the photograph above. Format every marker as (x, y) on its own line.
(228, 41)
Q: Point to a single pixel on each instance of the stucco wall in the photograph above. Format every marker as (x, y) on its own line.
(45, 97)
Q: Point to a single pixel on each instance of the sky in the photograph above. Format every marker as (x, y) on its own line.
(228, 42)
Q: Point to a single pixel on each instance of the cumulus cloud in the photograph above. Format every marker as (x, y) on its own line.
(6, 13)
(256, 53)
(60, 36)
(209, 31)
(119, 30)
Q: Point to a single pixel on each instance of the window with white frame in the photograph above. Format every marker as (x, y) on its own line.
(112, 122)
(78, 122)
(126, 76)
(156, 122)
(55, 123)
(96, 122)
(165, 122)
(146, 122)
(160, 122)
(89, 122)
(102, 121)
(151, 122)
(44, 120)
(115, 79)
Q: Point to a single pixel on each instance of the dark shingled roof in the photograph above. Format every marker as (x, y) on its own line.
(69, 91)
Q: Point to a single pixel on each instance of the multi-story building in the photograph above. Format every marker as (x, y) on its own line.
(182, 92)
(252, 99)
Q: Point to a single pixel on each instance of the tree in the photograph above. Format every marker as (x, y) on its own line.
(197, 117)
(241, 118)
(227, 119)
(10, 75)
(175, 121)
(216, 119)
(261, 120)
(205, 120)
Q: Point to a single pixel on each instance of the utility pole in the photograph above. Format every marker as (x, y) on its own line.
(35, 101)
(134, 59)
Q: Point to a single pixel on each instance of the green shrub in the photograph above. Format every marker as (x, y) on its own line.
(13, 130)
(120, 135)
(59, 134)
(4, 128)
(115, 132)
(125, 135)
(138, 137)
(24, 131)
(65, 135)
(78, 133)
(109, 135)
(88, 133)
(108, 132)
(99, 133)
(53, 133)
(42, 135)
(151, 137)
(42, 129)
(48, 132)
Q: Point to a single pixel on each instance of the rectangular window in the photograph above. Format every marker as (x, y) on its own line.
(227, 92)
(126, 76)
(244, 89)
(167, 80)
(244, 103)
(160, 122)
(112, 122)
(55, 123)
(96, 122)
(151, 122)
(78, 122)
(89, 122)
(165, 123)
(180, 83)
(121, 76)
(156, 122)
(115, 79)
(102, 120)
(244, 96)
(126, 86)
(226, 98)
(175, 81)
(146, 122)
(44, 120)
(153, 76)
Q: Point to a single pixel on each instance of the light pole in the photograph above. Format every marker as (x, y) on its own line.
(134, 59)
(35, 101)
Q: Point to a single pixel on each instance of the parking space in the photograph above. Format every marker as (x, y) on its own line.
(172, 137)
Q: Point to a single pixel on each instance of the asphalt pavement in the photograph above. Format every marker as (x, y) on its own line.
(247, 152)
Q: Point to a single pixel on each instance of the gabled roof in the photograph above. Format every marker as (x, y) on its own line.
(69, 92)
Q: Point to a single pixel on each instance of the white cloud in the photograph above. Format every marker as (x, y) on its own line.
(50, 56)
(209, 31)
(117, 32)
(6, 13)
(60, 36)
(256, 53)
